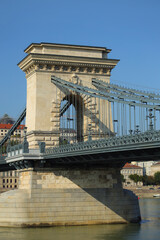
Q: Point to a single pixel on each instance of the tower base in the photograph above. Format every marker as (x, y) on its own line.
(53, 197)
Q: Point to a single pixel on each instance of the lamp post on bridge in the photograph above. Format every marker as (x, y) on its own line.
(25, 131)
(137, 130)
(25, 143)
(150, 116)
(115, 121)
(130, 131)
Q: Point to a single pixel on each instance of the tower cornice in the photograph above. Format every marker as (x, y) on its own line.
(50, 62)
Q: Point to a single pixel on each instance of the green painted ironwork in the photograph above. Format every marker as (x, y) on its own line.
(13, 128)
(126, 142)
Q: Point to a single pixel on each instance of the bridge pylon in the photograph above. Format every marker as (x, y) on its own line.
(70, 100)
(74, 64)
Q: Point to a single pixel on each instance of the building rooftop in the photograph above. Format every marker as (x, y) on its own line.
(129, 165)
(156, 164)
(8, 126)
(67, 50)
(66, 46)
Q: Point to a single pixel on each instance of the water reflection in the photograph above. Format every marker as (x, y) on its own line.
(100, 232)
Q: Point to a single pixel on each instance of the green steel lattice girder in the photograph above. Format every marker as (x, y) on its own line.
(105, 94)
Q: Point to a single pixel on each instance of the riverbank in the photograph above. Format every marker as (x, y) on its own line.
(144, 191)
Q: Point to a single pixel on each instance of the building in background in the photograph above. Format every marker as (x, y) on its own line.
(18, 133)
(128, 170)
(9, 180)
(68, 135)
(147, 166)
(6, 122)
(155, 168)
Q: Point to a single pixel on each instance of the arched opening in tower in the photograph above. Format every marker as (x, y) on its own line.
(71, 119)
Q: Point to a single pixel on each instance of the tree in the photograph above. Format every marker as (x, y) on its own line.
(148, 180)
(62, 141)
(122, 178)
(157, 178)
(135, 177)
(6, 119)
(141, 179)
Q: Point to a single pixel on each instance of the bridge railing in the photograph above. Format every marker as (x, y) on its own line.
(23, 148)
(149, 136)
(2, 157)
(17, 149)
(117, 141)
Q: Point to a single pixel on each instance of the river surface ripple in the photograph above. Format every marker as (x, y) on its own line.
(148, 229)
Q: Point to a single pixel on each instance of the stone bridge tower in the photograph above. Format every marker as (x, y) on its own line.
(78, 64)
(87, 189)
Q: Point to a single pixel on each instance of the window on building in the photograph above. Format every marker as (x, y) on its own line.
(3, 186)
(3, 180)
(15, 180)
(10, 180)
(7, 180)
(15, 186)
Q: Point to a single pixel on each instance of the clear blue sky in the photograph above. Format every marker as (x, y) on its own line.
(131, 28)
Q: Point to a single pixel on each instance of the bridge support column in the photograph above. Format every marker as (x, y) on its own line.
(59, 196)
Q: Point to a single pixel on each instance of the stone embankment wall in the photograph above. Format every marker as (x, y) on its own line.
(68, 197)
(145, 191)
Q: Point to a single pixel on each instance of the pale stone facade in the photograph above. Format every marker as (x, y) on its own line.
(130, 169)
(63, 194)
(71, 63)
(147, 166)
(68, 197)
(155, 168)
(17, 134)
(9, 180)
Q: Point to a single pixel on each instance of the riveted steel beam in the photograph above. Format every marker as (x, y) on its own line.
(98, 93)
(13, 128)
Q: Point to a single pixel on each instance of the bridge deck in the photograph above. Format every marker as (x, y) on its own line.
(112, 151)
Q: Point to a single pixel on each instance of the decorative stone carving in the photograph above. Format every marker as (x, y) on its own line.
(68, 67)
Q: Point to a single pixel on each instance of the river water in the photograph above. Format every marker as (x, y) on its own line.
(149, 229)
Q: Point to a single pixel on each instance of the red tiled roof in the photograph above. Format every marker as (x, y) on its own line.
(155, 164)
(129, 165)
(8, 126)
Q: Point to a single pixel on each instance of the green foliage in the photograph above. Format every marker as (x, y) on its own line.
(135, 177)
(148, 180)
(14, 142)
(122, 178)
(3, 149)
(140, 178)
(62, 141)
(157, 178)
